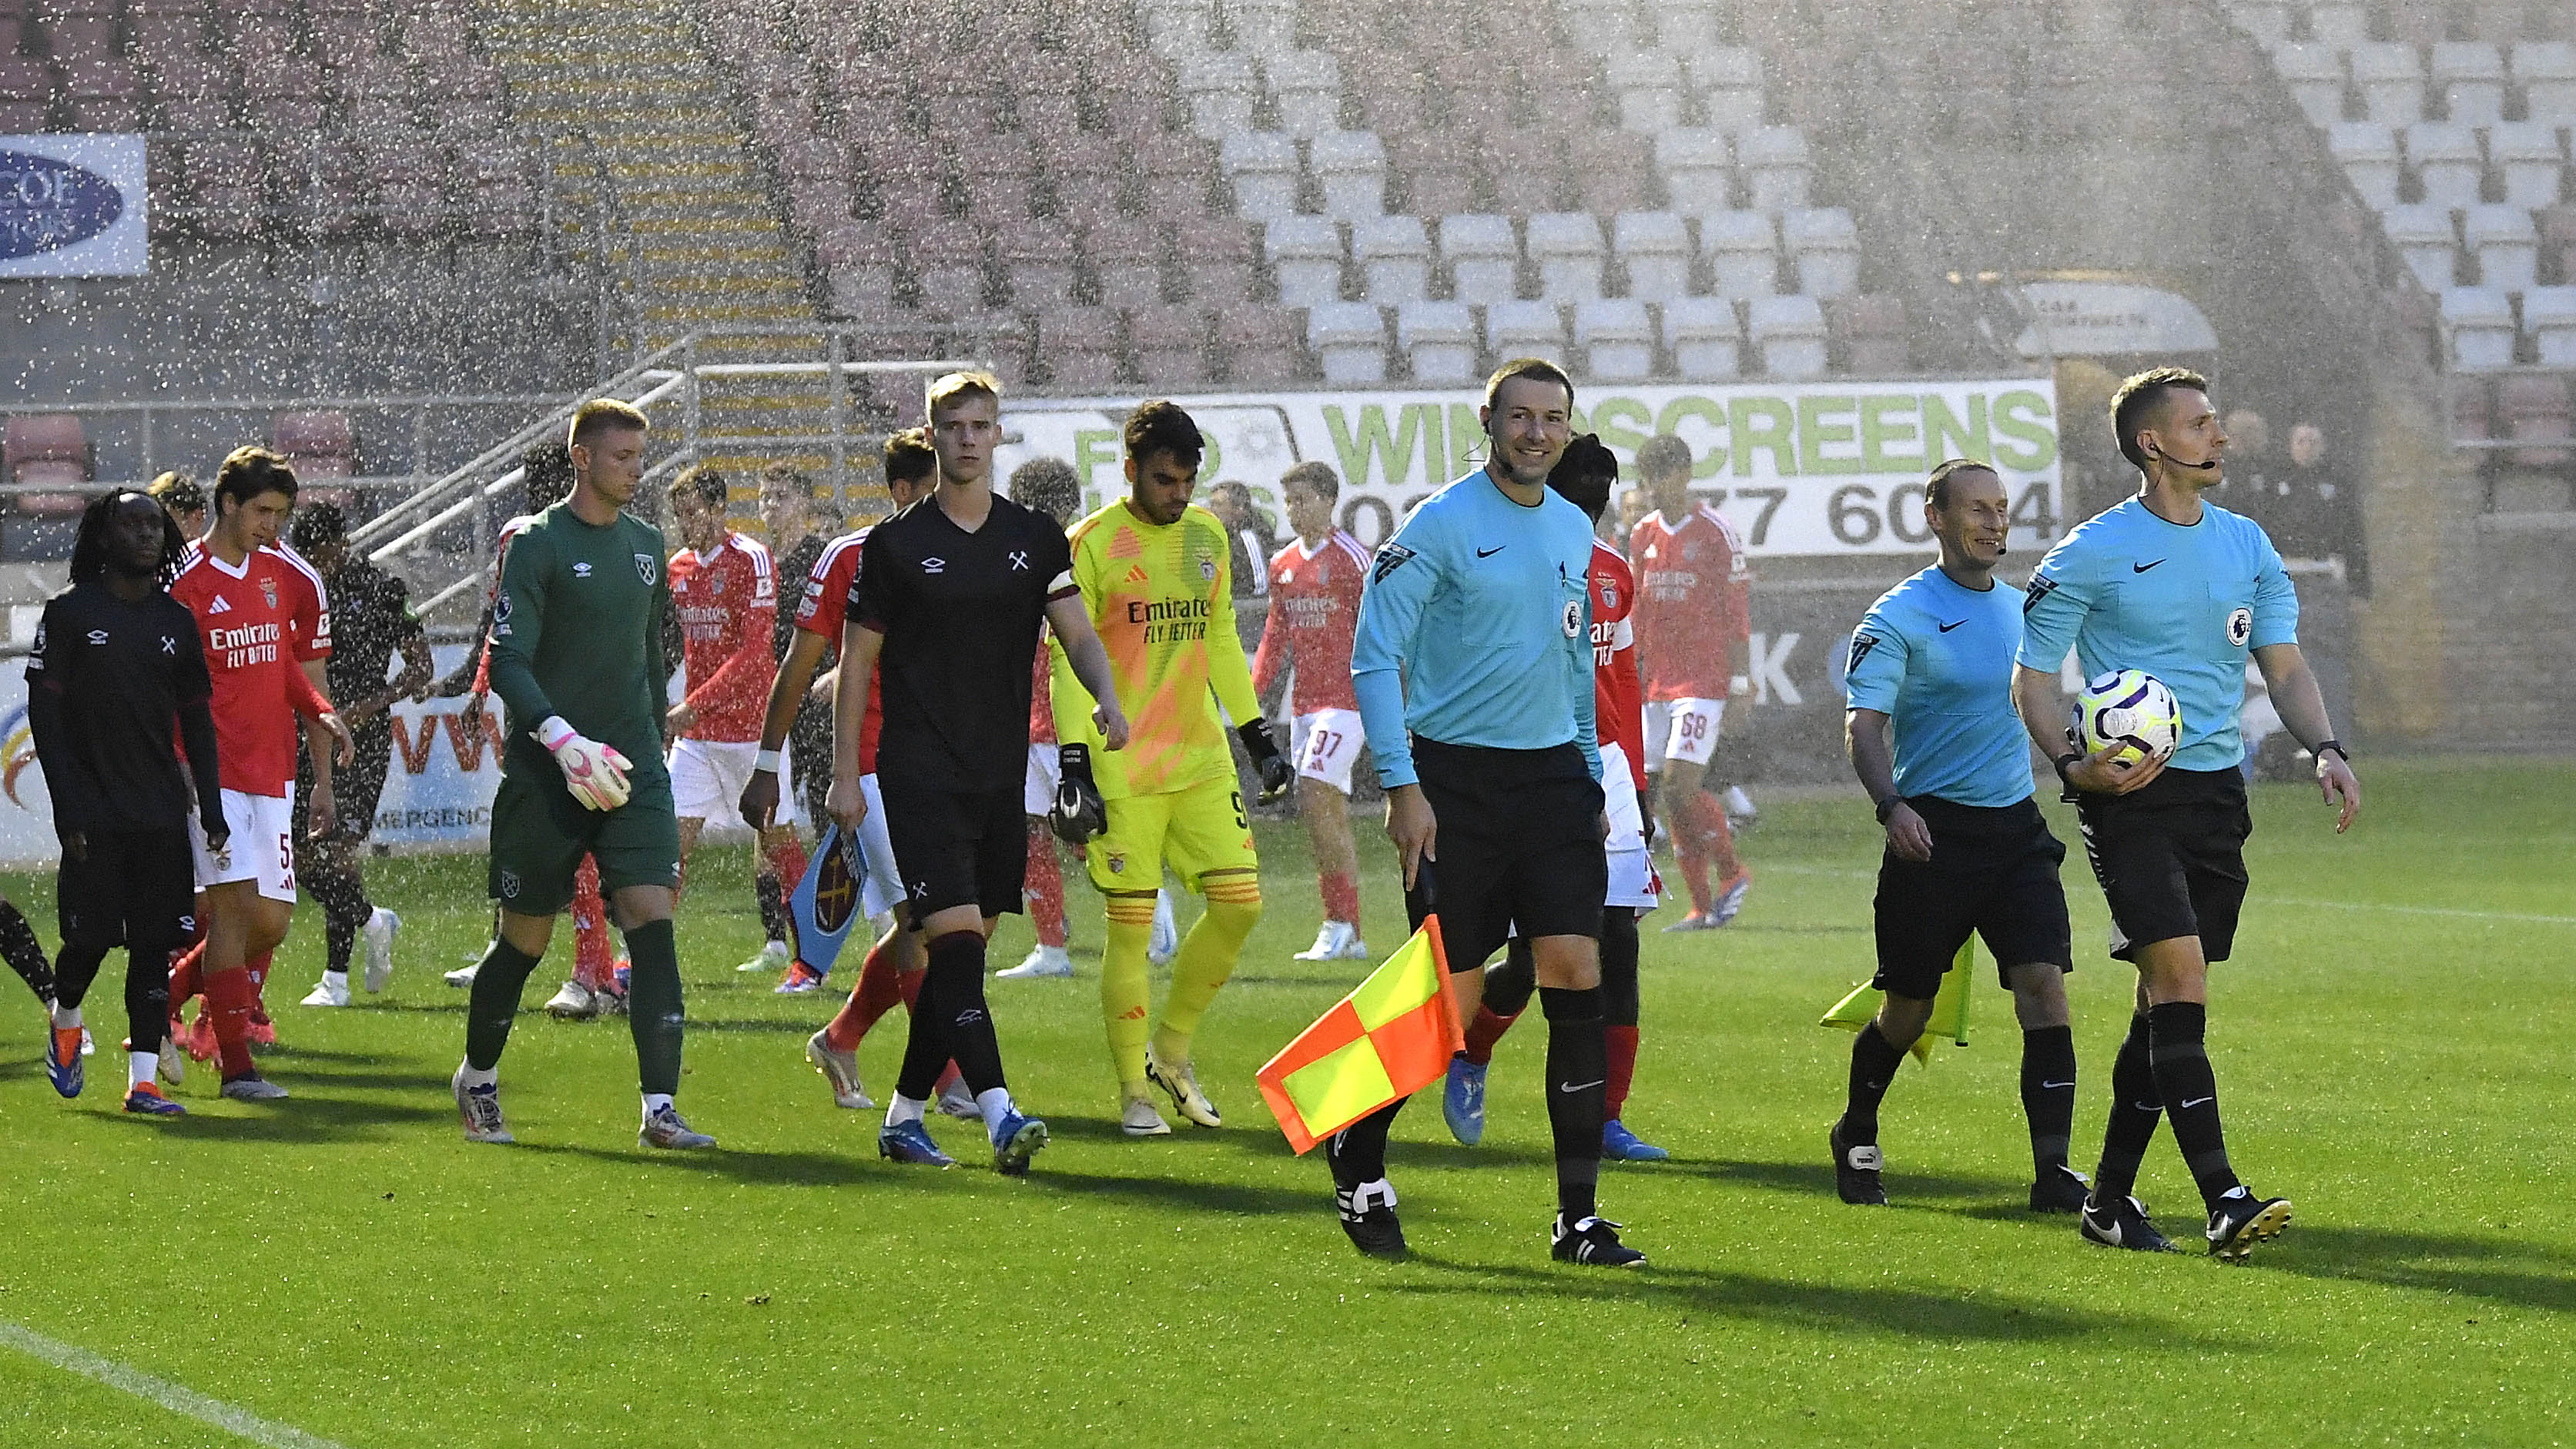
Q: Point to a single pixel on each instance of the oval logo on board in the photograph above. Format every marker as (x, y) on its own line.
(48, 204)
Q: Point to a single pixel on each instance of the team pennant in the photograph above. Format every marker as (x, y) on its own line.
(1949, 1006)
(1388, 1039)
(825, 904)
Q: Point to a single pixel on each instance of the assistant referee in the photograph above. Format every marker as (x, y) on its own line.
(1932, 736)
(2183, 589)
(1473, 666)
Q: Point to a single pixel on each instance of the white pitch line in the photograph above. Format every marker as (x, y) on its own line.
(168, 1395)
(2461, 912)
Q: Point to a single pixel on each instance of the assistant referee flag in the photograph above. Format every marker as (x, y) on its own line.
(1949, 1007)
(1385, 1041)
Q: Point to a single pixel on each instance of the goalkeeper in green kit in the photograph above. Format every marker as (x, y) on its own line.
(577, 662)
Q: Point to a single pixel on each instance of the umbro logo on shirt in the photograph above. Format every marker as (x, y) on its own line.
(581, 568)
(98, 636)
(934, 565)
(221, 605)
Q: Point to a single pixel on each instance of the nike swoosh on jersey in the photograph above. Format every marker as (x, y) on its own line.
(1946, 628)
(1490, 552)
(2139, 568)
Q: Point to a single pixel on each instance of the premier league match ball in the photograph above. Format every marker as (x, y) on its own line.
(2129, 708)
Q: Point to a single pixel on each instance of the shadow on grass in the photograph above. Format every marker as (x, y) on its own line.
(2525, 1275)
(302, 1120)
(762, 1169)
(1816, 1179)
(1192, 1195)
(1832, 1308)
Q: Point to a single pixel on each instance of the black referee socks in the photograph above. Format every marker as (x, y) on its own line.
(1874, 1061)
(2048, 1093)
(2135, 1109)
(1578, 1080)
(2190, 1090)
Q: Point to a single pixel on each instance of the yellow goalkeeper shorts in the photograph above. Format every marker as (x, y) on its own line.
(1193, 831)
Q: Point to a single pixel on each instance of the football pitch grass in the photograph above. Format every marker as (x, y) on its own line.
(2391, 1044)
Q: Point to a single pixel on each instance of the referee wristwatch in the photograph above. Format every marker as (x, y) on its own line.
(2318, 750)
(1887, 803)
(2062, 764)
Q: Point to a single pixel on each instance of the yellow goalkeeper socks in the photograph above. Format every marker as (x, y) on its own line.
(1124, 993)
(1207, 958)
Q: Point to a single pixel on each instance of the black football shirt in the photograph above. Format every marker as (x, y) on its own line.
(960, 614)
(122, 672)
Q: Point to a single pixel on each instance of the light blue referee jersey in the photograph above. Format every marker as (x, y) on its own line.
(1936, 658)
(1475, 628)
(2128, 590)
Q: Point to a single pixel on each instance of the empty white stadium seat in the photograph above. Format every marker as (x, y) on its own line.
(1729, 82)
(1483, 257)
(1618, 339)
(1567, 248)
(2341, 25)
(1524, 329)
(1602, 27)
(1776, 167)
(1177, 27)
(1350, 339)
(1263, 165)
(2368, 151)
(2314, 74)
(1741, 251)
(1694, 162)
(2267, 22)
(2481, 324)
(2507, 246)
(2422, 235)
(1306, 255)
(1688, 26)
(2390, 78)
(1307, 84)
(2447, 160)
(2471, 79)
(1706, 341)
(1789, 332)
(1656, 248)
(2527, 154)
(1394, 253)
(1825, 245)
(2549, 315)
(1439, 338)
(1221, 88)
(1264, 27)
(2546, 71)
(1350, 169)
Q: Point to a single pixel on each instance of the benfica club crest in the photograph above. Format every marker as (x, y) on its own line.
(268, 591)
(647, 567)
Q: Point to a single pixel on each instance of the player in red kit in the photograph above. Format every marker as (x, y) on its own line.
(725, 591)
(1314, 606)
(243, 597)
(1584, 475)
(1693, 625)
(1047, 485)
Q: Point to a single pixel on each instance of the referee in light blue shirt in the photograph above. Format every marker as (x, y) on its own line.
(1934, 740)
(2182, 589)
(1473, 666)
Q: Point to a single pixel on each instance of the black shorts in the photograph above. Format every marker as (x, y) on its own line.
(357, 787)
(2171, 859)
(957, 847)
(135, 888)
(1993, 871)
(809, 759)
(1519, 845)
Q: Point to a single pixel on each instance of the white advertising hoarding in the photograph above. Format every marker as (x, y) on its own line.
(74, 206)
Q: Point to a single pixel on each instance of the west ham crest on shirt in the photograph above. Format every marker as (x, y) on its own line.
(648, 568)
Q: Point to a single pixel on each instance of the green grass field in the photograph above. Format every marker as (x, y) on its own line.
(2391, 1040)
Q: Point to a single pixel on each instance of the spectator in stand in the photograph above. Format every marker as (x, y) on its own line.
(1250, 548)
(2253, 483)
(185, 502)
(2320, 517)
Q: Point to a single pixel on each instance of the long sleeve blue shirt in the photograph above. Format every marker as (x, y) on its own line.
(1475, 629)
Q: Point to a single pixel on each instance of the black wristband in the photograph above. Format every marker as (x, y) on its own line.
(2060, 762)
(1886, 804)
(2335, 745)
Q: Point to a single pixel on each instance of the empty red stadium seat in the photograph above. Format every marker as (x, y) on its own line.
(1613, 170)
(1525, 169)
(1265, 346)
(2472, 417)
(1037, 259)
(1171, 345)
(1080, 345)
(316, 444)
(227, 188)
(1000, 178)
(46, 449)
(1216, 259)
(26, 94)
(72, 39)
(1126, 258)
(948, 267)
(858, 259)
(1437, 178)
(2534, 408)
(103, 95)
(1869, 330)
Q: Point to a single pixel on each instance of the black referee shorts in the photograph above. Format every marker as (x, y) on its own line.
(1519, 844)
(957, 847)
(133, 888)
(1993, 871)
(358, 787)
(809, 759)
(2171, 859)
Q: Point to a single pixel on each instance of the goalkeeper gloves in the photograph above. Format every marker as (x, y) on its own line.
(1079, 812)
(1276, 773)
(595, 773)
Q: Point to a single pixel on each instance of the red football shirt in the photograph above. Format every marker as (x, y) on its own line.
(243, 625)
(1617, 711)
(822, 612)
(1693, 588)
(1314, 606)
(1042, 696)
(727, 600)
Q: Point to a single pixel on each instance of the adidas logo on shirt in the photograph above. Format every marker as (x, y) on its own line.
(221, 605)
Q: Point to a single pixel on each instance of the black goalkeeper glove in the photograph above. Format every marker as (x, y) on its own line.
(1276, 773)
(1079, 812)
(1646, 822)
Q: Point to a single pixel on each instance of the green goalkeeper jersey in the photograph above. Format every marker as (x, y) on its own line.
(576, 631)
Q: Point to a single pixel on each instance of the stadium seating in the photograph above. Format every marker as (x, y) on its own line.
(46, 450)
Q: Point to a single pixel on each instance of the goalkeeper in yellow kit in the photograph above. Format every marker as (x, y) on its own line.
(1154, 577)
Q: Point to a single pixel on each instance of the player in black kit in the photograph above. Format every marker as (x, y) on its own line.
(116, 667)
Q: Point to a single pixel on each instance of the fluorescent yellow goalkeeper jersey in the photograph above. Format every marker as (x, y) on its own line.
(1162, 600)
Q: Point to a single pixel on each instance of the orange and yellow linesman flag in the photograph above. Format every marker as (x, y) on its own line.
(1949, 1006)
(1388, 1039)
